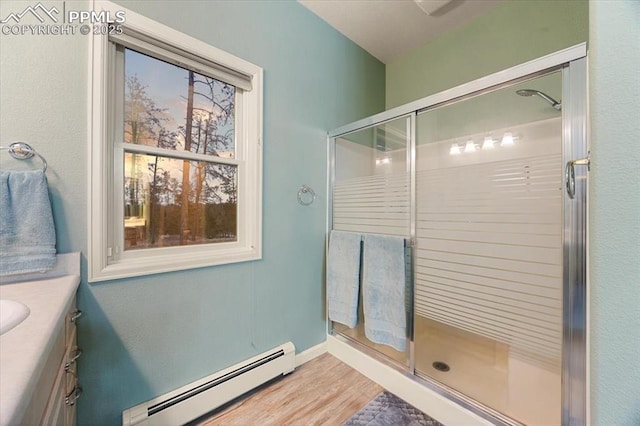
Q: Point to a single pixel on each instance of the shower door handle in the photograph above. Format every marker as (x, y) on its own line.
(570, 174)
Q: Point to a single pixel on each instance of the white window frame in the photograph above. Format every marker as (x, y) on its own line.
(106, 258)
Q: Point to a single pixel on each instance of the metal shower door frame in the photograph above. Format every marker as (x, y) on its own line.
(573, 64)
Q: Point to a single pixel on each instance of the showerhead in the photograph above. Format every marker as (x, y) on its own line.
(531, 92)
(526, 92)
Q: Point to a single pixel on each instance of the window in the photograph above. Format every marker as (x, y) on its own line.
(176, 154)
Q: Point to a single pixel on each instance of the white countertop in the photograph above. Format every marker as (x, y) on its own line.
(24, 349)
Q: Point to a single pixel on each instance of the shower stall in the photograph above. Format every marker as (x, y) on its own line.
(486, 182)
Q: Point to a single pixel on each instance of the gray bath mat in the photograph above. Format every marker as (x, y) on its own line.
(386, 409)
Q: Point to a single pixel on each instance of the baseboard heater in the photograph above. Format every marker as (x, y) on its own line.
(198, 398)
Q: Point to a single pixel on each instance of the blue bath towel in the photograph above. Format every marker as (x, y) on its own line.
(383, 287)
(343, 277)
(27, 234)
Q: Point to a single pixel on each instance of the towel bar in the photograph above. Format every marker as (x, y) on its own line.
(23, 151)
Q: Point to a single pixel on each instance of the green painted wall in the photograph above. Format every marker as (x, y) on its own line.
(614, 67)
(512, 33)
(147, 335)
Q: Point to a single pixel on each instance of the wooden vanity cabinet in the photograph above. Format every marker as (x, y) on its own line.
(55, 397)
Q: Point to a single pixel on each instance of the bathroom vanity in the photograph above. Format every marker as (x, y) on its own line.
(38, 356)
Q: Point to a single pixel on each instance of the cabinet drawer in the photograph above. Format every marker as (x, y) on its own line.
(70, 364)
(71, 319)
(61, 407)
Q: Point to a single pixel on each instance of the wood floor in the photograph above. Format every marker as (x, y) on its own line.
(324, 391)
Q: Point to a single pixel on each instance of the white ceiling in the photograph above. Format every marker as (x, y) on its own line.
(389, 28)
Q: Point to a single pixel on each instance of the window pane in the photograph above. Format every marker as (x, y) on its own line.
(162, 209)
(174, 108)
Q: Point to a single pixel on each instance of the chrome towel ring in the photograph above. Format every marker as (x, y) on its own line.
(23, 151)
(306, 195)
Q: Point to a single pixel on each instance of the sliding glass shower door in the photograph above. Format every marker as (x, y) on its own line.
(371, 195)
(487, 184)
(488, 313)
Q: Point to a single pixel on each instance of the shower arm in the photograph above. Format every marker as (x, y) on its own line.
(549, 99)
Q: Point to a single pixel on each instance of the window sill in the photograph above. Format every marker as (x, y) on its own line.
(158, 263)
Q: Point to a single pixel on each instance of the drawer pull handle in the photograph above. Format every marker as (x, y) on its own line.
(75, 315)
(73, 396)
(74, 357)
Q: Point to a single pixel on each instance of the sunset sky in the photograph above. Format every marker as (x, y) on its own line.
(167, 85)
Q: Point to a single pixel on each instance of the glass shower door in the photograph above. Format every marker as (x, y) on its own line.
(371, 195)
(489, 248)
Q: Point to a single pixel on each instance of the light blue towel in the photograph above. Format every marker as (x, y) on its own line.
(343, 277)
(383, 283)
(27, 234)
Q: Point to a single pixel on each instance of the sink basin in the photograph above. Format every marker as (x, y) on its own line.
(12, 313)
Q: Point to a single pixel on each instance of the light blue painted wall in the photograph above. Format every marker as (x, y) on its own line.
(145, 336)
(614, 36)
